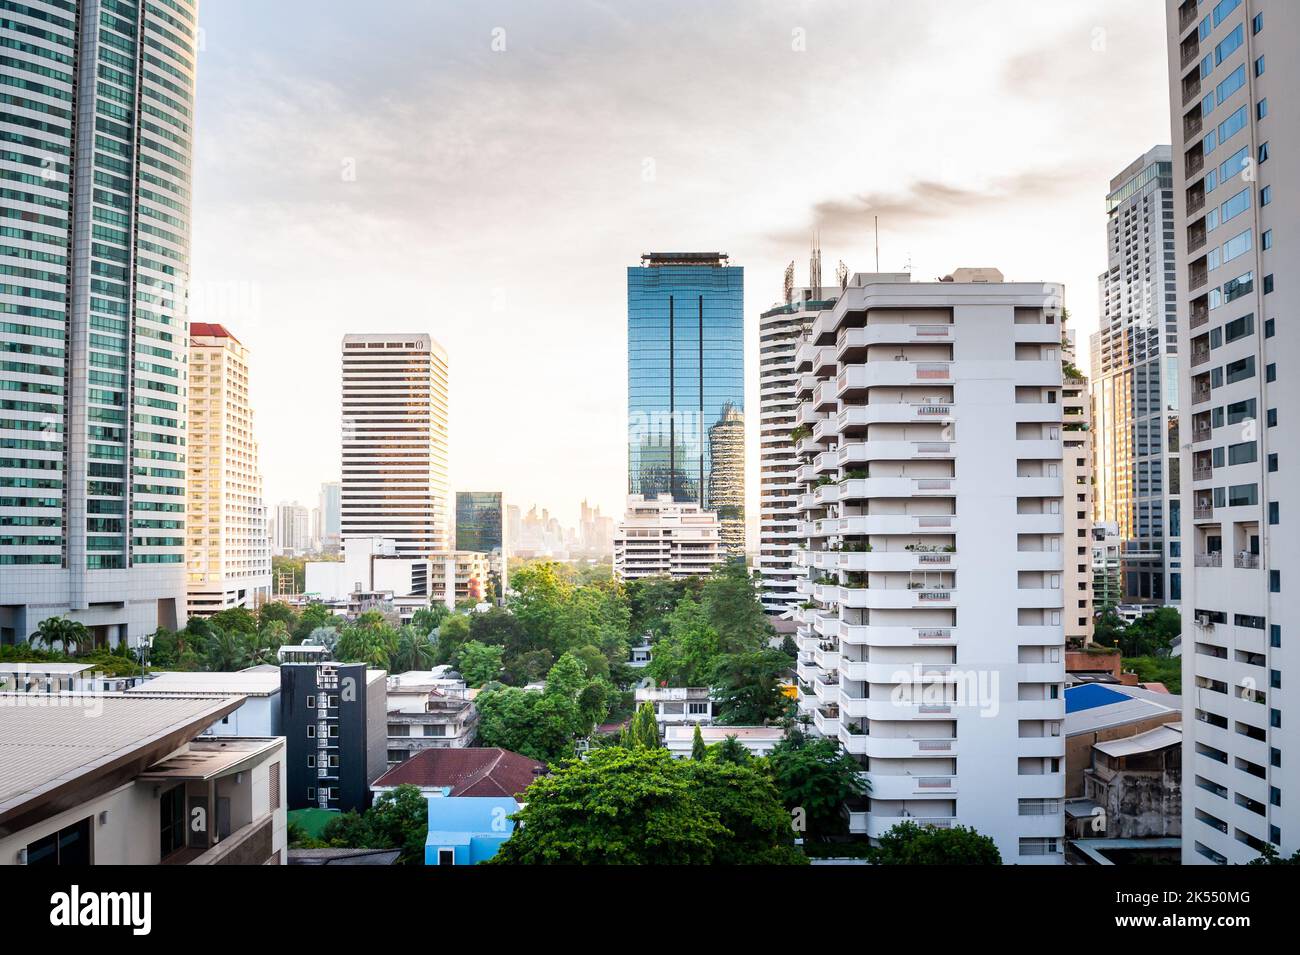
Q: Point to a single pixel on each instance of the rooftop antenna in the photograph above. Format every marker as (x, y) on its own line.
(877, 218)
(908, 267)
(815, 267)
(789, 283)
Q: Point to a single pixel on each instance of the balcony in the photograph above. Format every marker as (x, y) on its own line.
(1200, 356)
(877, 826)
(1246, 561)
(1209, 560)
(1204, 473)
(1203, 512)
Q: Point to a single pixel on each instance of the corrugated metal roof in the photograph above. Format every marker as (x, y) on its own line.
(1147, 742)
(50, 739)
(242, 682)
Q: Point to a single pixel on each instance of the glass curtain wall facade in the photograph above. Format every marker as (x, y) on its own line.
(1135, 381)
(686, 384)
(479, 521)
(97, 124)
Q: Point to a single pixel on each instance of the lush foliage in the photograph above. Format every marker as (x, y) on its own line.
(544, 725)
(1151, 635)
(640, 806)
(1166, 670)
(910, 844)
(814, 778)
(399, 819)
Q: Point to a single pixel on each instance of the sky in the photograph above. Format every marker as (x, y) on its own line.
(485, 172)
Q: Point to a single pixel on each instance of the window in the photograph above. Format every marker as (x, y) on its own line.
(1243, 495)
(1270, 372)
(1266, 240)
(1228, 45)
(1261, 108)
(311, 760)
(1223, 8)
(69, 846)
(1266, 195)
(311, 702)
(1271, 417)
(1241, 369)
(273, 785)
(1232, 125)
(1236, 288)
(1237, 246)
(311, 793)
(1272, 462)
(1237, 205)
(1235, 81)
(1259, 66)
(171, 820)
(1234, 165)
(1268, 284)
(1245, 453)
(334, 730)
(1269, 328)
(1275, 587)
(1257, 24)
(311, 730)
(1274, 513)
(697, 709)
(1238, 328)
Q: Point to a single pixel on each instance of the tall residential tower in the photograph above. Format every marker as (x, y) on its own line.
(1135, 381)
(97, 122)
(1234, 76)
(229, 559)
(934, 514)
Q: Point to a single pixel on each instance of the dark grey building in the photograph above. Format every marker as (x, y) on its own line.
(334, 719)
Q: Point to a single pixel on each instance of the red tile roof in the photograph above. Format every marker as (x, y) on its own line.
(209, 330)
(488, 771)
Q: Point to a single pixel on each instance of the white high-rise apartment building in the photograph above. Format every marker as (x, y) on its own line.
(1234, 77)
(1076, 467)
(1135, 380)
(291, 529)
(395, 431)
(779, 329)
(97, 175)
(931, 635)
(660, 537)
(229, 550)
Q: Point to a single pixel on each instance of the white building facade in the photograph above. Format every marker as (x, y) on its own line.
(931, 630)
(229, 547)
(395, 431)
(1234, 74)
(97, 180)
(666, 538)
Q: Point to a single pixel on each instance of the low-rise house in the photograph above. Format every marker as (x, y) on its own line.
(679, 739)
(1097, 713)
(471, 792)
(52, 677)
(677, 705)
(129, 779)
(429, 709)
(1136, 784)
(640, 655)
(259, 715)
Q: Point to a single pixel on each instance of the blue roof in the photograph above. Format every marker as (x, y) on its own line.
(1086, 696)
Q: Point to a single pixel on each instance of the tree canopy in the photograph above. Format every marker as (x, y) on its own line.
(910, 844)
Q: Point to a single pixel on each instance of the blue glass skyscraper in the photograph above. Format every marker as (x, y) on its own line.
(686, 384)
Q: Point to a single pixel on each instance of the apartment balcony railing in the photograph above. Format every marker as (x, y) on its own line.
(1202, 473)
(1200, 394)
(1191, 125)
(1186, 15)
(1199, 317)
(1202, 434)
(1246, 561)
(1209, 560)
(1203, 513)
(1200, 356)
(1196, 202)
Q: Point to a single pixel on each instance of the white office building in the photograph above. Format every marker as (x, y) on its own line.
(931, 630)
(291, 529)
(395, 393)
(97, 178)
(1234, 76)
(666, 538)
(229, 550)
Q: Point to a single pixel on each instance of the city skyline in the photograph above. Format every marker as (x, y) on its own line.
(404, 179)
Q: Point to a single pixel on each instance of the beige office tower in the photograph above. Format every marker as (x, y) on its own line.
(1234, 81)
(228, 547)
(727, 478)
(1076, 469)
(395, 430)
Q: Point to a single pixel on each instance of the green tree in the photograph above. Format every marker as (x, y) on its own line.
(1270, 856)
(616, 807)
(413, 650)
(747, 687)
(642, 731)
(479, 663)
(731, 604)
(685, 655)
(370, 640)
(910, 844)
(428, 619)
(313, 615)
(452, 632)
(399, 819)
(72, 636)
(730, 750)
(815, 776)
(234, 620)
(276, 610)
(698, 749)
(641, 806)
(228, 650)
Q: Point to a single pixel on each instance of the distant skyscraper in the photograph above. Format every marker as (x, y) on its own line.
(1235, 184)
(395, 394)
(1135, 380)
(479, 521)
(686, 371)
(98, 117)
(291, 529)
(331, 515)
(229, 559)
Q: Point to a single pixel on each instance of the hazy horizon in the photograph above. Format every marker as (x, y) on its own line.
(486, 174)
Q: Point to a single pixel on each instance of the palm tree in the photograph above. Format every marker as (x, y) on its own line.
(71, 635)
(414, 651)
(226, 651)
